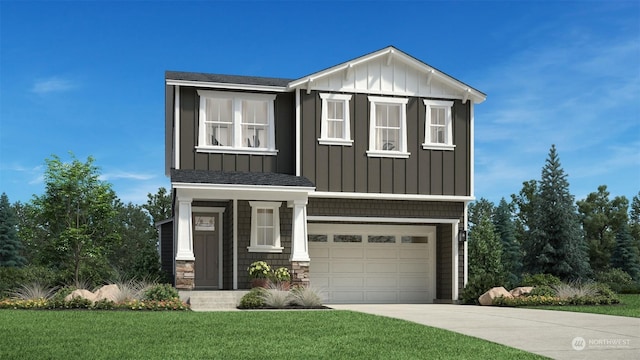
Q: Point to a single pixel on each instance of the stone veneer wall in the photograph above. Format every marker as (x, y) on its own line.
(185, 275)
(300, 273)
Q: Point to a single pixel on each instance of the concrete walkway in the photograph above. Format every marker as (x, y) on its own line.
(555, 334)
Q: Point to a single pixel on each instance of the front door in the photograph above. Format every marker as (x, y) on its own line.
(205, 246)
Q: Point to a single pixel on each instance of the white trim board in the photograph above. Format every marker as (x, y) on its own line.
(382, 219)
(232, 86)
(378, 196)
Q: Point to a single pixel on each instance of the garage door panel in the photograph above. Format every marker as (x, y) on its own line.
(320, 282)
(347, 282)
(381, 282)
(347, 296)
(347, 267)
(413, 267)
(417, 282)
(413, 297)
(318, 267)
(318, 252)
(381, 268)
(416, 253)
(381, 296)
(340, 252)
(381, 253)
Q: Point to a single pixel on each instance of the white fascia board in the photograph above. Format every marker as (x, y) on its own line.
(241, 192)
(372, 219)
(229, 86)
(349, 195)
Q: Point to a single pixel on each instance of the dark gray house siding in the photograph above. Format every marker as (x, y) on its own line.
(166, 250)
(349, 169)
(283, 162)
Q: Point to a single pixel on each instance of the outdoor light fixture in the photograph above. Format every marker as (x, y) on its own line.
(462, 235)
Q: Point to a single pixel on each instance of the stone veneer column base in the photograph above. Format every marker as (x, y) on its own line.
(185, 274)
(300, 273)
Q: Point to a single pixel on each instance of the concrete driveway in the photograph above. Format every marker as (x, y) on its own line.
(555, 334)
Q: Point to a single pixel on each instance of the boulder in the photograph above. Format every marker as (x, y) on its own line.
(109, 292)
(496, 292)
(522, 290)
(81, 293)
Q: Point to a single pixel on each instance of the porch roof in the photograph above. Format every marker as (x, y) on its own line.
(238, 178)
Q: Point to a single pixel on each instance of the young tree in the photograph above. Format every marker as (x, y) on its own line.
(136, 256)
(10, 244)
(634, 220)
(562, 251)
(625, 255)
(526, 204)
(511, 252)
(601, 218)
(158, 205)
(77, 213)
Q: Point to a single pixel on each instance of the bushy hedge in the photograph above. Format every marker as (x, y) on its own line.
(601, 294)
(81, 303)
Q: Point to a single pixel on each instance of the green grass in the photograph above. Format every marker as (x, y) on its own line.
(629, 306)
(324, 334)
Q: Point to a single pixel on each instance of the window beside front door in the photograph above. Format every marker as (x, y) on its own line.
(265, 226)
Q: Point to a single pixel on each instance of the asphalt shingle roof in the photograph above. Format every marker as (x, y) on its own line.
(227, 79)
(238, 178)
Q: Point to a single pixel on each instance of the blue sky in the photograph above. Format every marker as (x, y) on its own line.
(88, 77)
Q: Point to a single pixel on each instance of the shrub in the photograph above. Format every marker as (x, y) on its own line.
(11, 278)
(540, 279)
(161, 292)
(259, 270)
(276, 296)
(615, 278)
(574, 290)
(252, 300)
(542, 290)
(281, 274)
(305, 296)
(33, 291)
(104, 304)
(476, 286)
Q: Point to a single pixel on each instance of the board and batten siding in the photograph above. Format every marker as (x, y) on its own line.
(283, 162)
(337, 168)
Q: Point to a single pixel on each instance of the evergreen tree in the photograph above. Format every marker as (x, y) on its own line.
(511, 252)
(634, 221)
(526, 205)
(10, 244)
(557, 229)
(625, 256)
(601, 218)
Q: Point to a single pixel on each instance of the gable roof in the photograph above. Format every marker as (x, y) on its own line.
(343, 74)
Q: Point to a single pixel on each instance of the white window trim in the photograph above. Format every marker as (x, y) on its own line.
(255, 206)
(346, 130)
(402, 153)
(236, 103)
(447, 105)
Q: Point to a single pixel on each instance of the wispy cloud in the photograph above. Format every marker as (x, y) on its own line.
(119, 175)
(52, 85)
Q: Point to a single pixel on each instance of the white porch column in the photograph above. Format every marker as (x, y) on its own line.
(185, 236)
(454, 262)
(299, 245)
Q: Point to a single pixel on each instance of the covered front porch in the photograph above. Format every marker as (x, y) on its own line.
(225, 221)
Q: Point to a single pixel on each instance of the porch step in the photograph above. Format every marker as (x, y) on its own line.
(213, 300)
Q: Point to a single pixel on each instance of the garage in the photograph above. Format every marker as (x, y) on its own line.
(362, 263)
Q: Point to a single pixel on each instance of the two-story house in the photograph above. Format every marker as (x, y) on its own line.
(356, 177)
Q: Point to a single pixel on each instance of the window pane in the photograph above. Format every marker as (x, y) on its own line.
(218, 110)
(254, 112)
(334, 130)
(255, 136)
(317, 238)
(386, 239)
(393, 113)
(438, 134)
(437, 116)
(265, 217)
(415, 239)
(347, 238)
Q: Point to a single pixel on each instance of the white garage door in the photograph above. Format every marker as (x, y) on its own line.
(373, 263)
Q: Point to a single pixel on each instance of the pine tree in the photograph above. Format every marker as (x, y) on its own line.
(511, 252)
(10, 244)
(563, 252)
(625, 255)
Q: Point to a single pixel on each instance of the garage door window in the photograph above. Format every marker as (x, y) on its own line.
(347, 238)
(415, 239)
(317, 238)
(381, 239)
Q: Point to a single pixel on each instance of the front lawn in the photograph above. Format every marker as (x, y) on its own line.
(324, 334)
(629, 306)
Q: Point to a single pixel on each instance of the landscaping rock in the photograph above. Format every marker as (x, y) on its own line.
(81, 293)
(522, 290)
(496, 292)
(109, 292)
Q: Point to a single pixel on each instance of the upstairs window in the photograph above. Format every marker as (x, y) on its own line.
(388, 127)
(438, 133)
(265, 226)
(335, 128)
(236, 122)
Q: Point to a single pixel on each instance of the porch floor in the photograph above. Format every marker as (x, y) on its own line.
(212, 300)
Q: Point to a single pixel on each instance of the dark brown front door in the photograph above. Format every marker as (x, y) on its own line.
(205, 246)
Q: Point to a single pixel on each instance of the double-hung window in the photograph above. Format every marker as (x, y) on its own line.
(236, 122)
(438, 132)
(335, 128)
(265, 226)
(388, 127)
